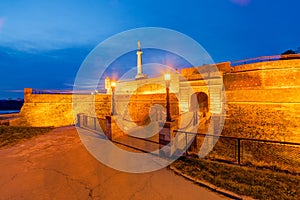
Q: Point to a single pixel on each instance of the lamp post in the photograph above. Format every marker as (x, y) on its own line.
(113, 87)
(168, 80)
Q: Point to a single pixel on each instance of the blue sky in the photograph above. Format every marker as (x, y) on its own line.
(42, 43)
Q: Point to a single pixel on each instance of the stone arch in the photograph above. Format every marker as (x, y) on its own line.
(202, 99)
(199, 102)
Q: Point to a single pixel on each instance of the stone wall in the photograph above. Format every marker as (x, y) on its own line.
(263, 100)
(140, 106)
(57, 109)
(61, 109)
(45, 110)
(156, 85)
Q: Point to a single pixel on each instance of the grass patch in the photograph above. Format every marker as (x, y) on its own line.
(10, 135)
(248, 181)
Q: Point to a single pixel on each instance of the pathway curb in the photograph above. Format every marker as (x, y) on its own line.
(211, 186)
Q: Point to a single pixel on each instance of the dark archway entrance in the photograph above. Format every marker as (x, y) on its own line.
(199, 102)
(200, 106)
(202, 102)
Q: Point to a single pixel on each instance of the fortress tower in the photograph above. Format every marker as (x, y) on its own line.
(139, 53)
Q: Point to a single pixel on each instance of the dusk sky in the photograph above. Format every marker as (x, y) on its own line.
(43, 43)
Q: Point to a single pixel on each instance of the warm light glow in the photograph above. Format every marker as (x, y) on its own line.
(113, 84)
(107, 83)
(167, 77)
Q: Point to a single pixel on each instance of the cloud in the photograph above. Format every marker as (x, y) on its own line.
(241, 2)
(14, 91)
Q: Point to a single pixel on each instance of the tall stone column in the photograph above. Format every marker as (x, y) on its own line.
(139, 60)
(139, 53)
(108, 85)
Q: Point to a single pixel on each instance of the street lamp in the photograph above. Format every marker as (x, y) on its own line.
(168, 80)
(113, 87)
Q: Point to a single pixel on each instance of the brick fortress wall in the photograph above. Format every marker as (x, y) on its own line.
(262, 101)
(41, 110)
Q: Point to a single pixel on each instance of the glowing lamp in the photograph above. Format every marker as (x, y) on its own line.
(113, 84)
(167, 77)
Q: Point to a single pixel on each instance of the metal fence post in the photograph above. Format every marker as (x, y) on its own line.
(78, 120)
(85, 121)
(246, 149)
(239, 151)
(186, 144)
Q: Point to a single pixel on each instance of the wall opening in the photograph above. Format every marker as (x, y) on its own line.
(199, 102)
(202, 99)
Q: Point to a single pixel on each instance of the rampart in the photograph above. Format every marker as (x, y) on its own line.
(60, 109)
(262, 101)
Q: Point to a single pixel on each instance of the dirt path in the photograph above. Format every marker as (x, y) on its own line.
(57, 166)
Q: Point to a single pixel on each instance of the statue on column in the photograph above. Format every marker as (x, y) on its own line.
(139, 53)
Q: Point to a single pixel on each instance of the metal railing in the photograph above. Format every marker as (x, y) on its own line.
(93, 123)
(245, 151)
(278, 155)
(103, 126)
(265, 59)
(39, 91)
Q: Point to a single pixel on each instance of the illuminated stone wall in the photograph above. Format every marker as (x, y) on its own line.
(155, 85)
(56, 109)
(139, 106)
(262, 100)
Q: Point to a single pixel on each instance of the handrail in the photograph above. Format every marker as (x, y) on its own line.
(239, 138)
(39, 91)
(239, 142)
(265, 59)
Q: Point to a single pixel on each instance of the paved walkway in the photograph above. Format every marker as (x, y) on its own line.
(57, 166)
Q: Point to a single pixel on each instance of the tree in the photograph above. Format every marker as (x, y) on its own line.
(288, 52)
